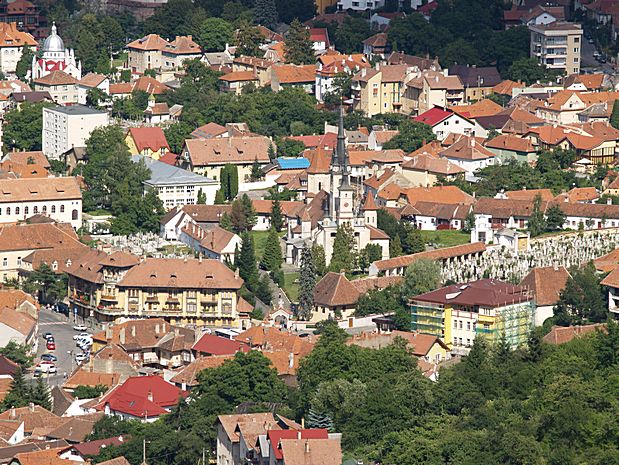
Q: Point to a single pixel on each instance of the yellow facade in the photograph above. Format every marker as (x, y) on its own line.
(322, 5)
(437, 353)
(147, 152)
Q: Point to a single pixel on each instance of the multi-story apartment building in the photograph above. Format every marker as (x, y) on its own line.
(557, 45)
(68, 127)
(380, 89)
(359, 5)
(461, 312)
(181, 291)
(58, 198)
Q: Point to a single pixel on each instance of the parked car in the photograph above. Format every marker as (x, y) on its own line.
(48, 336)
(51, 345)
(85, 345)
(81, 336)
(49, 357)
(80, 328)
(47, 367)
(79, 358)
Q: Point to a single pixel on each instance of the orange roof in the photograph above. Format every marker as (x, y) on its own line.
(432, 148)
(546, 283)
(608, 262)
(510, 142)
(437, 254)
(236, 76)
(10, 36)
(320, 161)
(149, 42)
(485, 107)
(562, 334)
(290, 74)
(530, 194)
(182, 45)
(467, 149)
(149, 137)
(506, 87)
(612, 280)
(56, 78)
(121, 88)
(439, 194)
(149, 85)
(92, 80)
(432, 164)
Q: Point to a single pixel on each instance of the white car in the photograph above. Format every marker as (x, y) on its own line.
(46, 367)
(79, 336)
(79, 358)
(80, 328)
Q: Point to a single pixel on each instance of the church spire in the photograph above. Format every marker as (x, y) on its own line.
(342, 153)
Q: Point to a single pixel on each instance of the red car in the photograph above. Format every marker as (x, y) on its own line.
(51, 345)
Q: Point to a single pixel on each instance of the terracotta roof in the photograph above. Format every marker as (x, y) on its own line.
(214, 238)
(149, 42)
(320, 160)
(420, 344)
(10, 36)
(24, 158)
(438, 194)
(546, 283)
(437, 254)
(43, 457)
(56, 78)
(467, 149)
(322, 141)
(75, 429)
(364, 285)
(207, 213)
(149, 137)
(116, 461)
(142, 333)
(561, 335)
(369, 203)
(27, 190)
(530, 194)
(92, 80)
(269, 338)
(233, 150)
(188, 375)
(506, 87)
(7, 367)
(363, 157)
(512, 143)
(376, 181)
(580, 194)
(158, 109)
(334, 289)
(149, 85)
(432, 164)
(275, 437)
(505, 208)
(38, 236)
(231, 422)
(20, 171)
(118, 88)
(33, 416)
(589, 210)
(7, 427)
(83, 377)
(182, 45)
(485, 292)
(608, 262)
(485, 107)
(310, 451)
(210, 344)
(208, 131)
(385, 135)
(377, 40)
(21, 322)
(254, 62)
(264, 207)
(290, 74)
(13, 298)
(239, 76)
(437, 80)
(600, 129)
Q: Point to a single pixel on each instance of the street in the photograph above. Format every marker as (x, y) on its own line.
(588, 61)
(62, 329)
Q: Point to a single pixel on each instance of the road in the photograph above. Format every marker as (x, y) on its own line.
(63, 332)
(587, 60)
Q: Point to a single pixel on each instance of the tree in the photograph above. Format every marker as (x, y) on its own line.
(614, 117)
(262, 290)
(421, 276)
(256, 171)
(220, 197)
(230, 181)
(288, 10)
(414, 241)
(201, 197)
(225, 221)
(238, 220)
(308, 276)
(341, 88)
(89, 392)
(214, 34)
(277, 219)
(583, 299)
(412, 135)
(175, 18)
(248, 40)
(370, 254)
(395, 247)
(23, 127)
(17, 353)
(537, 222)
(527, 70)
(272, 258)
(265, 13)
(247, 261)
(298, 47)
(344, 256)
(25, 62)
(19, 392)
(555, 218)
(46, 284)
(380, 301)
(176, 134)
(350, 34)
(320, 261)
(250, 212)
(289, 147)
(40, 395)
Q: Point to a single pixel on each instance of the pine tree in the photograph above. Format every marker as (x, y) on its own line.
(263, 290)
(24, 63)
(19, 392)
(248, 40)
(265, 13)
(308, 276)
(534, 347)
(395, 247)
(277, 220)
(220, 198)
(537, 222)
(298, 47)
(233, 181)
(247, 262)
(320, 261)
(344, 250)
(414, 241)
(40, 395)
(238, 217)
(272, 154)
(319, 420)
(614, 117)
(250, 213)
(272, 257)
(201, 197)
(225, 222)
(256, 171)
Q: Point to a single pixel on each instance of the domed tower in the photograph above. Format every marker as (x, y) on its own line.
(55, 57)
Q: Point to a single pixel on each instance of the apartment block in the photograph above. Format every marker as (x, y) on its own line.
(557, 45)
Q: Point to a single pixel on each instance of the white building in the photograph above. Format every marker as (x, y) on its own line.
(67, 127)
(557, 45)
(58, 198)
(359, 5)
(89, 82)
(55, 57)
(176, 186)
(12, 42)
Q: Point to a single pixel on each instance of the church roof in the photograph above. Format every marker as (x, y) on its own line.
(56, 78)
(53, 43)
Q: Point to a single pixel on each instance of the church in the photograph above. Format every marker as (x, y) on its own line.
(55, 57)
(335, 203)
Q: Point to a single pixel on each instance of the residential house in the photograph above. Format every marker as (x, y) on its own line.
(468, 154)
(182, 291)
(90, 82)
(377, 45)
(215, 242)
(546, 284)
(494, 214)
(209, 131)
(380, 136)
(563, 334)
(424, 169)
(58, 198)
(477, 81)
(330, 66)
(147, 141)
(146, 53)
(34, 417)
(181, 49)
(361, 5)
(208, 156)
(176, 186)
(187, 377)
(12, 43)
(236, 81)
(509, 147)
(427, 347)
(319, 36)
(68, 127)
(435, 89)
(539, 14)
(382, 20)
(210, 344)
(206, 216)
(24, 12)
(259, 67)
(380, 89)
(299, 76)
(586, 82)
(19, 327)
(557, 45)
(263, 209)
(461, 312)
(141, 398)
(61, 86)
(446, 121)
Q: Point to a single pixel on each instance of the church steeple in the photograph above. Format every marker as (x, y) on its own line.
(342, 153)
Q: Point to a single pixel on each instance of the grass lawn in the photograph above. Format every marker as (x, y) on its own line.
(291, 288)
(446, 238)
(260, 239)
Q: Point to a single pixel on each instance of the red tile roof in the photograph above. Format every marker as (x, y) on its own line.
(546, 283)
(433, 116)
(216, 345)
(149, 137)
(275, 436)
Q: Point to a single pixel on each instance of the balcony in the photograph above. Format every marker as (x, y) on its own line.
(109, 310)
(109, 298)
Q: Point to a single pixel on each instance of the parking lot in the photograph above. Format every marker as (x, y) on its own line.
(63, 333)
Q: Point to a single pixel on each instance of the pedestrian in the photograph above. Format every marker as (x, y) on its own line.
(64, 375)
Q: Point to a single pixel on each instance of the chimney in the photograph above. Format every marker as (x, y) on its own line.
(133, 330)
(609, 201)
(108, 332)
(236, 274)
(121, 335)
(298, 434)
(150, 395)
(307, 447)
(31, 406)
(200, 258)
(157, 328)
(13, 413)
(291, 360)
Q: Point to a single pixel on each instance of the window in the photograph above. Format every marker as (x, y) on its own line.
(455, 324)
(576, 59)
(460, 324)
(5, 262)
(61, 208)
(25, 210)
(8, 210)
(53, 208)
(576, 40)
(36, 209)
(468, 325)
(74, 215)
(44, 208)
(18, 261)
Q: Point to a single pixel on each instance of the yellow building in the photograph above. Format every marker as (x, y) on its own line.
(461, 312)
(379, 90)
(322, 5)
(148, 141)
(181, 291)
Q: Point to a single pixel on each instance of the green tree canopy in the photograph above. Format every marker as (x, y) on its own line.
(298, 47)
(214, 34)
(23, 127)
(344, 256)
(412, 136)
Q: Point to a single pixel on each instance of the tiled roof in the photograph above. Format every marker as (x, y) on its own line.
(289, 207)
(320, 160)
(437, 80)
(92, 80)
(116, 461)
(7, 366)
(433, 116)
(608, 262)
(377, 40)
(75, 429)
(10, 36)
(512, 143)
(39, 236)
(214, 238)
(290, 74)
(432, 164)
(563, 334)
(149, 137)
(149, 42)
(231, 422)
(420, 344)
(467, 149)
(21, 322)
(485, 107)
(43, 457)
(334, 289)
(485, 292)
(437, 254)
(13, 298)
(208, 131)
(530, 194)
(24, 158)
(385, 135)
(505, 208)
(182, 45)
(439, 194)
(206, 213)
(546, 283)
(33, 416)
(188, 375)
(56, 78)
(310, 451)
(141, 334)
(275, 436)
(506, 87)
(322, 141)
(472, 76)
(83, 377)
(27, 190)
(149, 85)
(233, 150)
(364, 285)
(215, 345)
(239, 76)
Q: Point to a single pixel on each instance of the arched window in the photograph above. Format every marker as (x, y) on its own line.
(61, 208)
(74, 215)
(44, 208)
(8, 210)
(17, 210)
(25, 210)
(36, 209)
(53, 208)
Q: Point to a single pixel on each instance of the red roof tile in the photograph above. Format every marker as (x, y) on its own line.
(149, 137)
(216, 345)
